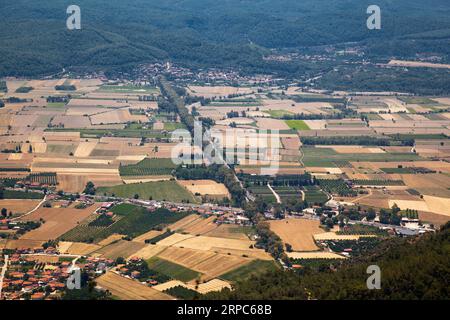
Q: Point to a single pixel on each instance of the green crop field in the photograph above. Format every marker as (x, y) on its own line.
(255, 267)
(327, 157)
(159, 190)
(148, 167)
(130, 220)
(278, 113)
(419, 100)
(172, 270)
(11, 194)
(55, 104)
(315, 195)
(379, 182)
(172, 126)
(297, 125)
(338, 187)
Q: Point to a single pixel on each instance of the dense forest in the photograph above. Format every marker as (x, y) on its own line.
(411, 268)
(117, 35)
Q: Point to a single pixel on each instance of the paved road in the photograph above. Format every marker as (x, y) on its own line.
(30, 212)
(2, 275)
(274, 193)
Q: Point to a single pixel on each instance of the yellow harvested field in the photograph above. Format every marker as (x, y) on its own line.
(19, 206)
(418, 64)
(251, 253)
(228, 231)
(355, 149)
(314, 255)
(63, 246)
(121, 248)
(169, 285)
(209, 263)
(127, 289)
(116, 116)
(174, 239)
(24, 244)
(42, 258)
(183, 222)
(212, 286)
(431, 204)
(203, 288)
(147, 235)
(205, 187)
(410, 204)
(57, 221)
(112, 238)
(429, 184)
(82, 248)
(147, 252)
(209, 243)
(438, 205)
(84, 149)
(297, 232)
(333, 236)
(271, 124)
(218, 91)
(76, 183)
(200, 226)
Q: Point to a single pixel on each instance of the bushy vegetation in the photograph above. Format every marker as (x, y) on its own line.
(182, 293)
(355, 141)
(411, 270)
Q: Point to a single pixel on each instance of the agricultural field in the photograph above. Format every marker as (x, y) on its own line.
(314, 195)
(127, 289)
(206, 262)
(297, 125)
(148, 167)
(254, 268)
(337, 187)
(159, 190)
(18, 207)
(129, 220)
(297, 232)
(120, 248)
(208, 188)
(57, 221)
(172, 270)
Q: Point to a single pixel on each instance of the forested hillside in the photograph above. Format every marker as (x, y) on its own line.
(413, 268)
(119, 34)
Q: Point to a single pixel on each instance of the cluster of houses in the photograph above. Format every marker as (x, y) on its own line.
(24, 281)
(37, 277)
(223, 214)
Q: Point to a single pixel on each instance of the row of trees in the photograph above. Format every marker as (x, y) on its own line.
(356, 140)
